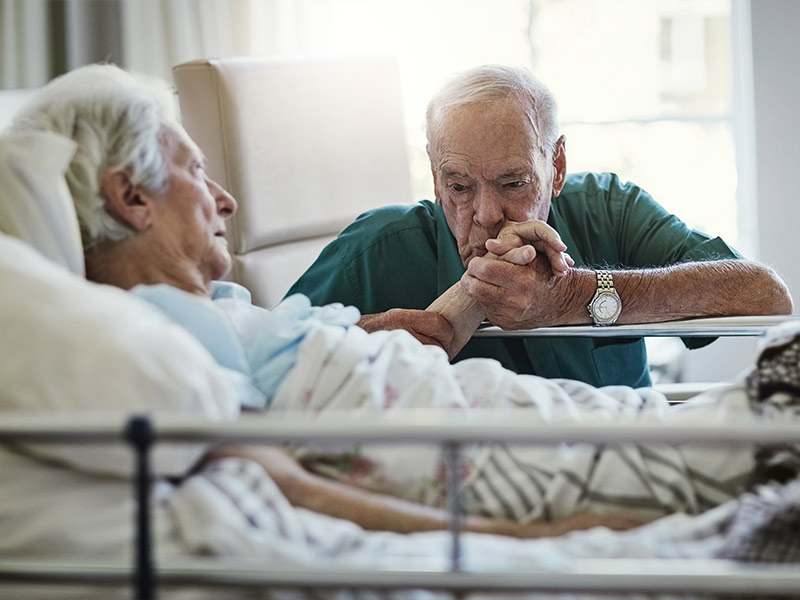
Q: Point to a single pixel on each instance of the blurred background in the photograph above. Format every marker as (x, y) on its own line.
(693, 100)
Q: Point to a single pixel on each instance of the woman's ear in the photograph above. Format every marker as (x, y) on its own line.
(125, 200)
(559, 165)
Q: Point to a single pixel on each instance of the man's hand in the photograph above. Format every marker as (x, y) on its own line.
(427, 326)
(517, 296)
(523, 289)
(519, 243)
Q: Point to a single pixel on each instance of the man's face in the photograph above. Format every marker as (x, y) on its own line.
(489, 170)
(189, 217)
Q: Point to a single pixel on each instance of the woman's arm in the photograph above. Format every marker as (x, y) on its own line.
(387, 513)
(462, 312)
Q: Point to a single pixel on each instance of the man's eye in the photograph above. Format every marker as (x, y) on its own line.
(516, 184)
(457, 187)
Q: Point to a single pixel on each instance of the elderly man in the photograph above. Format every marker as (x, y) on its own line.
(500, 177)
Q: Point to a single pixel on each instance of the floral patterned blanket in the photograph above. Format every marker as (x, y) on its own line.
(366, 374)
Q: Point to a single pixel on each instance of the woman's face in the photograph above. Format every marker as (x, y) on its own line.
(189, 217)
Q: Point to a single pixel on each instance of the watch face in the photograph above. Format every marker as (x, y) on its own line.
(606, 306)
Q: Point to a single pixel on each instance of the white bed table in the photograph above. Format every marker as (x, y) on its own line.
(701, 327)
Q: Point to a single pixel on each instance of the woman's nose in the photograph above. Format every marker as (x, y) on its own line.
(226, 204)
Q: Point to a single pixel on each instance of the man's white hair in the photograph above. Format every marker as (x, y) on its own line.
(490, 83)
(117, 118)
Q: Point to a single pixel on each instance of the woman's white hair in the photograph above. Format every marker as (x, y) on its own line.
(490, 83)
(117, 118)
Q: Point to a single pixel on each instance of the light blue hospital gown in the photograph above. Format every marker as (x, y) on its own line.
(259, 343)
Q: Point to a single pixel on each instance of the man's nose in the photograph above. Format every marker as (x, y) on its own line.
(488, 208)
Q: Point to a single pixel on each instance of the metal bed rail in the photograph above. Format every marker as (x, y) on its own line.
(596, 576)
(600, 576)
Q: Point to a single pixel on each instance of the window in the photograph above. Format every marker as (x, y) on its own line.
(644, 88)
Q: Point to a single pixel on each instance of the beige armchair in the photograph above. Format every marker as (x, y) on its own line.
(304, 145)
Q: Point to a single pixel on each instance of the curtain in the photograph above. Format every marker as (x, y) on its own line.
(24, 43)
(159, 34)
(44, 38)
(40, 39)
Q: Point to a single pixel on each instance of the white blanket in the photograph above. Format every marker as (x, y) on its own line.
(349, 370)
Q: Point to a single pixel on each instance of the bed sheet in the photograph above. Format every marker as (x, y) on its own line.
(232, 509)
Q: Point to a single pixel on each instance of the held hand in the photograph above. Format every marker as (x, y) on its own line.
(427, 326)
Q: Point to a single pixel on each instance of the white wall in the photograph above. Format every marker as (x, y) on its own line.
(776, 121)
(776, 78)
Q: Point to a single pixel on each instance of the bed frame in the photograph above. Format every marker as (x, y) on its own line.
(610, 577)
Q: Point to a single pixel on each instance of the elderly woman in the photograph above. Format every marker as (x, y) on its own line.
(154, 223)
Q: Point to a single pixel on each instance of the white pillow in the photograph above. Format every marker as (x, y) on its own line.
(35, 203)
(69, 345)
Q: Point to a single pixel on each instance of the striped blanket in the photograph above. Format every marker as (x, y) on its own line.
(349, 370)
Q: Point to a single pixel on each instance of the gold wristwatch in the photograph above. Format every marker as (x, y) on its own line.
(606, 304)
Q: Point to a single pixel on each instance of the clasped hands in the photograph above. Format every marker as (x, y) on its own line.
(516, 282)
(512, 286)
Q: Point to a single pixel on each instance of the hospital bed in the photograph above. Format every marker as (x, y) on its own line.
(595, 577)
(261, 254)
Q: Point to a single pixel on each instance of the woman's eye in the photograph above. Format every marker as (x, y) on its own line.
(457, 187)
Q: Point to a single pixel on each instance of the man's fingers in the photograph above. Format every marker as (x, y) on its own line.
(500, 246)
(560, 262)
(514, 237)
(520, 256)
(537, 233)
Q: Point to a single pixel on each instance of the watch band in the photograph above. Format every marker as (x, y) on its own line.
(605, 282)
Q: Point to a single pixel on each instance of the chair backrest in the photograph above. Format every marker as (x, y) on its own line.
(11, 101)
(304, 144)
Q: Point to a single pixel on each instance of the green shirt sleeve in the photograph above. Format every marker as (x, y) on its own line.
(384, 259)
(615, 224)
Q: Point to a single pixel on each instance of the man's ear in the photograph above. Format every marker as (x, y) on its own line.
(559, 165)
(125, 201)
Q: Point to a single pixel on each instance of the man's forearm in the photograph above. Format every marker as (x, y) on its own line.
(695, 289)
(701, 289)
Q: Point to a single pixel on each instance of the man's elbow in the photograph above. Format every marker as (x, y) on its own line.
(777, 300)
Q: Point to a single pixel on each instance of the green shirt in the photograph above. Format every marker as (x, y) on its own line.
(405, 257)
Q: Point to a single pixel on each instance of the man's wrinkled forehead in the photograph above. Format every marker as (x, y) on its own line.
(487, 132)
